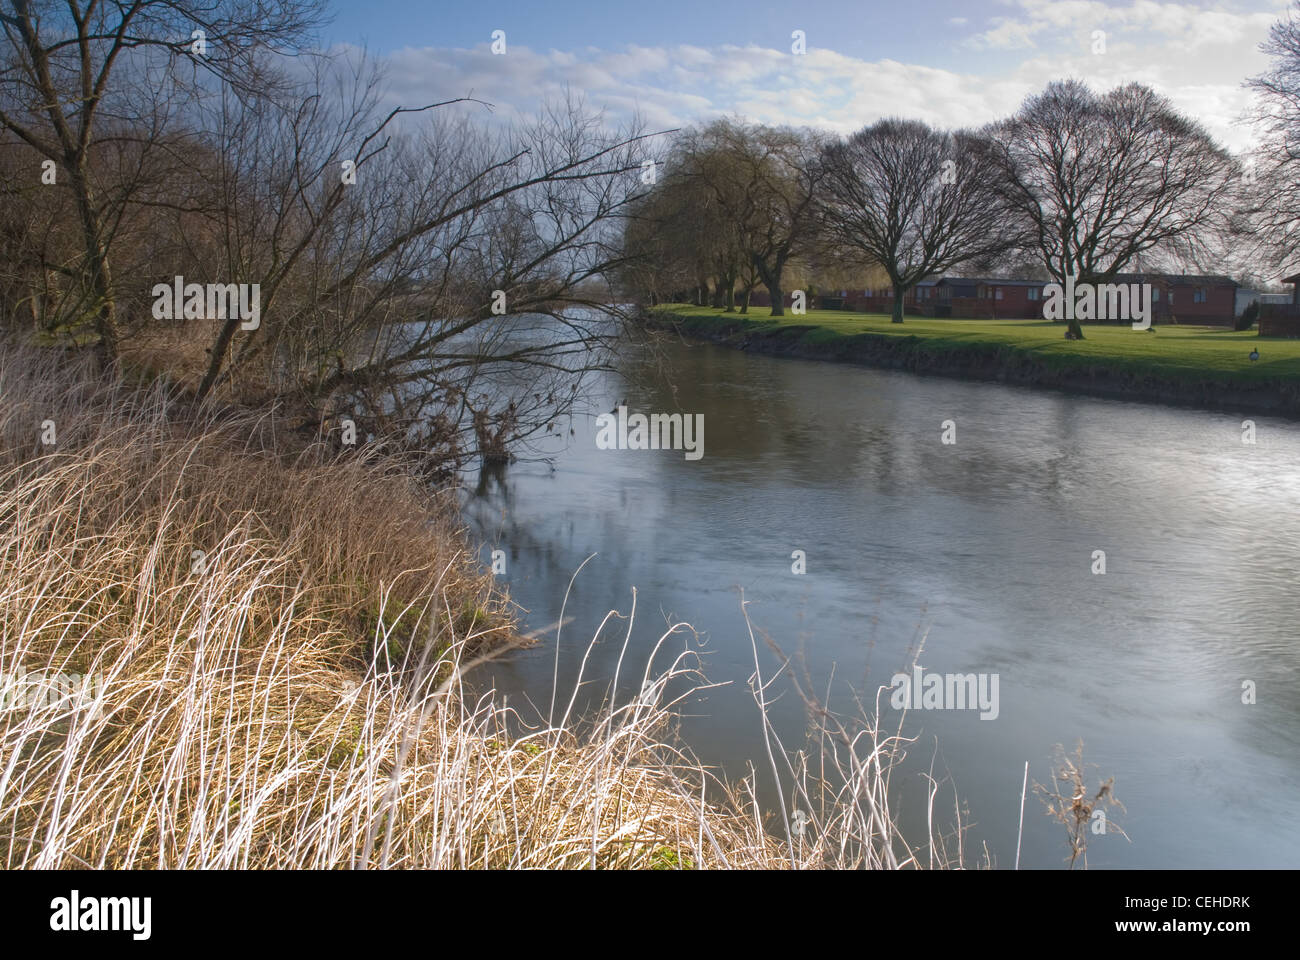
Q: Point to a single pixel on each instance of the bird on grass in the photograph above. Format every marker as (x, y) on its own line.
(1254, 355)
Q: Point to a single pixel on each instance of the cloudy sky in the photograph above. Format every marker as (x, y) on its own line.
(949, 62)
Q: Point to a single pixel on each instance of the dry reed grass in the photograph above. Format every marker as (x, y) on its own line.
(291, 695)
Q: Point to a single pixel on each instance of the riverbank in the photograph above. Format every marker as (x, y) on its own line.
(224, 647)
(1190, 366)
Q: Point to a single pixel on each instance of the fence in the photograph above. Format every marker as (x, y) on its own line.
(1279, 320)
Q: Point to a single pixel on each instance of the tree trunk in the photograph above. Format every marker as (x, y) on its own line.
(778, 299)
(701, 288)
(218, 353)
(101, 277)
(771, 277)
(744, 306)
(898, 303)
(106, 320)
(1072, 328)
(727, 293)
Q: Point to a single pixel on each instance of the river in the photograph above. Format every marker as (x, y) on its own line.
(986, 546)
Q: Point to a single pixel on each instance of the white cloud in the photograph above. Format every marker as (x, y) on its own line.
(1007, 35)
(1162, 26)
(1198, 57)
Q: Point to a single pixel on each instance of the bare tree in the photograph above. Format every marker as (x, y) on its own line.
(425, 273)
(915, 201)
(439, 279)
(684, 234)
(1275, 199)
(57, 88)
(764, 182)
(1103, 179)
(661, 256)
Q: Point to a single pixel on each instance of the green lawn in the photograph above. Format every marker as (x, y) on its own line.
(1178, 351)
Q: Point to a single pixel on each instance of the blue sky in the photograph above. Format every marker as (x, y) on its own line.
(858, 29)
(947, 62)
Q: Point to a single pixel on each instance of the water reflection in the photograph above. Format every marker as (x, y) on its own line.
(984, 546)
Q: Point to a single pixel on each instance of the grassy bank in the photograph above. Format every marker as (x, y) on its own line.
(278, 637)
(1205, 366)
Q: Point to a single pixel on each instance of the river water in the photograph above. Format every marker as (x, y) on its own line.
(985, 546)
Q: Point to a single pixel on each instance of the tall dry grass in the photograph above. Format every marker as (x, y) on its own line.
(278, 638)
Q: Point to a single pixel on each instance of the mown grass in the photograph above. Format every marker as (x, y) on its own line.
(292, 695)
(1173, 351)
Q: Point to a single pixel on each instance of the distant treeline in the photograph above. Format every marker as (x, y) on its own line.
(1076, 182)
